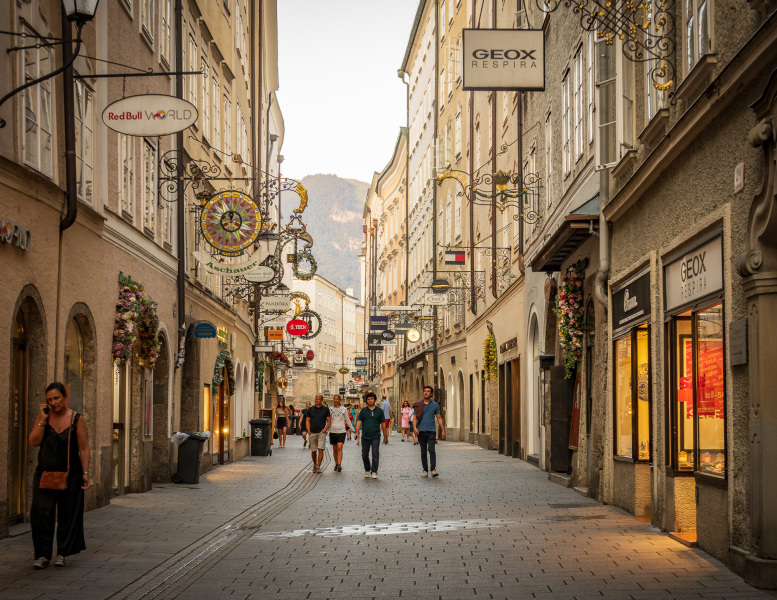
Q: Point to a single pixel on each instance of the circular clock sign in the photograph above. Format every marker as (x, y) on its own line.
(413, 335)
(230, 222)
(297, 327)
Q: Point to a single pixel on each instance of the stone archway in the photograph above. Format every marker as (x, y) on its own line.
(81, 322)
(191, 399)
(28, 380)
(160, 454)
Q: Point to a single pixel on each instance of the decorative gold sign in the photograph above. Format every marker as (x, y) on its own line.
(230, 222)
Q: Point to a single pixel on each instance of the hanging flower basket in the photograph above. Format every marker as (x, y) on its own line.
(222, 360)
(136, 318)
(569, 311)
(489, 359)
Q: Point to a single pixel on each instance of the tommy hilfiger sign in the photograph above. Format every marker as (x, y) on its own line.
(631, 303)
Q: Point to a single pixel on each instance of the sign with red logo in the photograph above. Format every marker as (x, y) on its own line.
(310, 355)
(150, 115)
(297, 327)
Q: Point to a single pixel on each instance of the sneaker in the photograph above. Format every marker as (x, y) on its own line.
(59, 561)
(41, 563)
(304, 443)
(366, 476)
(374, 475)
(435, 473)
(425, 474)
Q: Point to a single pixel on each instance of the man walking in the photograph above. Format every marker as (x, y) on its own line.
(372, 418)
(385, 406)
(318, 423)
(303, 424)
(427, 415)
(340, 418)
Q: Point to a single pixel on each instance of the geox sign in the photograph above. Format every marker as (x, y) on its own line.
(149, 115)
(503, 59)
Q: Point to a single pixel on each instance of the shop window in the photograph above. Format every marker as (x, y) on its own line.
(698, 392)
(206, 412)
(632, 395)
(74, 365)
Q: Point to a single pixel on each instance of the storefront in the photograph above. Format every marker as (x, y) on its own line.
(632, 406)
(696, 414)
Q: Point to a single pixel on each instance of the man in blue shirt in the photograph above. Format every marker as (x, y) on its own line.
(425, 429)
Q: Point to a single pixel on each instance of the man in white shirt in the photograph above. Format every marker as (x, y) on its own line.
(385, 406)
(340, 416)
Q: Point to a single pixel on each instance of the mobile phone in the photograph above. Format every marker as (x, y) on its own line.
(46, 409)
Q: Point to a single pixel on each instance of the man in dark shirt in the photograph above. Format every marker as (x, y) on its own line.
(303, 425)
(318, 421)
(372, 421)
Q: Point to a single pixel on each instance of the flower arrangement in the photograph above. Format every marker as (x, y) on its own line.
(569, 311)
(136, 317)
(489, 359)
(281, 357)
(222, 360)
(258, 383)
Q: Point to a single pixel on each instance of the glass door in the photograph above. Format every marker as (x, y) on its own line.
(118, 442)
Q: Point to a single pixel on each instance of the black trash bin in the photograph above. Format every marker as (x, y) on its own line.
(261, 437)
(189, 458)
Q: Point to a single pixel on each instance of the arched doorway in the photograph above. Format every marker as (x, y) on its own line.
(460, 405)
(223, 388)
(28, 380)
(533, 395)
(161, 441)
(450, 402)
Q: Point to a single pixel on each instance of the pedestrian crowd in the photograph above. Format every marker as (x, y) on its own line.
(369, 423)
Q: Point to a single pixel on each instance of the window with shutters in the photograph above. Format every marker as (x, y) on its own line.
(149, 185)
(578, 107)
(448, 219)
(698, 36)
(566, 122)
(165, 27)
(84, 101)
(205, 96)
(127, 175)
(548, 161)
(615, 106)
(227, 125)
(38, 140)
(457, 134)
(216, 141)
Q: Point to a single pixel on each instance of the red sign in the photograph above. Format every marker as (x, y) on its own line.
(710, 392)
(309, 355)
(297, 327)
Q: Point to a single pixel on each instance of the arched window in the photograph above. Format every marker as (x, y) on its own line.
(74, 365)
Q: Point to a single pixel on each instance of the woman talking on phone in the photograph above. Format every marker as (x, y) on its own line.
(60, 479)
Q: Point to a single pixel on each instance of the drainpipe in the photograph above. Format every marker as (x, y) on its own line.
(604, 239)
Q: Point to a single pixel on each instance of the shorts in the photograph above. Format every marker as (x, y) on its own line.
(336, 438)
(387, 422)
(317, 441)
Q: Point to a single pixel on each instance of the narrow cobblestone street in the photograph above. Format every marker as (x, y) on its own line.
(489, 527)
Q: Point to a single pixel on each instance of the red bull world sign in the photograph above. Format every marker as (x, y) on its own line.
(149, 115)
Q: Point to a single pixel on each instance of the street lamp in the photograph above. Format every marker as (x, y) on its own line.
(80, 11)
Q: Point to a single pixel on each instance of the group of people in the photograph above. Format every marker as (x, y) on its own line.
(369, 425)
(62, 474)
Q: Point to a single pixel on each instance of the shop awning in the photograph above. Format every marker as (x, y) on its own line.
(572, 233)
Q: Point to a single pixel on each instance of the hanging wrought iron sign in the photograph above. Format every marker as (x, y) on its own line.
(230, 222)
(149, 115)
(646, 30)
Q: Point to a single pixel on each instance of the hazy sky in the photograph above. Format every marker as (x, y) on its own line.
(340, 96)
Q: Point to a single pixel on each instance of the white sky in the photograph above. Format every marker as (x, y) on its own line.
(340, 96)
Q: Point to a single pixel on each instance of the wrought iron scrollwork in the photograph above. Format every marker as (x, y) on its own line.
(645, 27)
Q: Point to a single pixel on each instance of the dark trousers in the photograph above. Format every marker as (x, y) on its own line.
(63, 507)
(373, 444)
(427, 440)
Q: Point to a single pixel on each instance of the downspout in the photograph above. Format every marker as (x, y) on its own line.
(70, 125)
(493, 170)
(180, 196)
(435, 353)
(473, 302)
(604, 239)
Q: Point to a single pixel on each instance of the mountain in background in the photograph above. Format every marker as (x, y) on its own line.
(334, 217)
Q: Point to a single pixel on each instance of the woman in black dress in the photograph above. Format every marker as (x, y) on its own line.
(281, 422)
(55, 426)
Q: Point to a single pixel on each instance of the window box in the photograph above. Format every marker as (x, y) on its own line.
(697, 80)
(655, 130)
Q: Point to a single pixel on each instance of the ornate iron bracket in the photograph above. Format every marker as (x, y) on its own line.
(510, 192)
(646, 28)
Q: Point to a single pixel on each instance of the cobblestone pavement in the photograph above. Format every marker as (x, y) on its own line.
(488, 527)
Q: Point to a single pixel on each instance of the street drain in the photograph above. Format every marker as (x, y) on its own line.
(482, 461)
(574, 505)
(576, 517)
